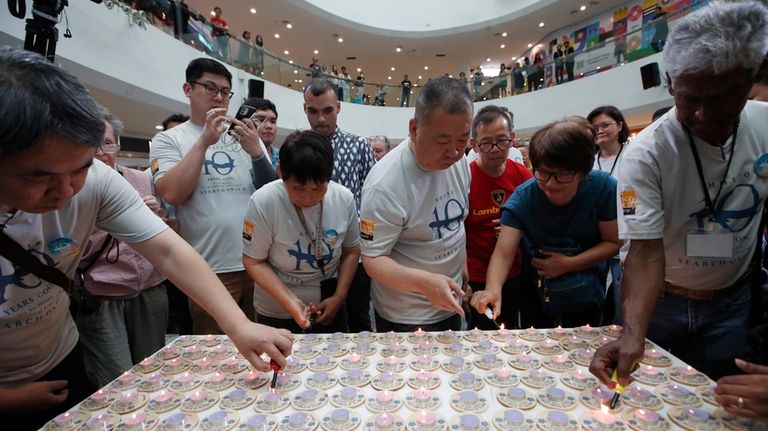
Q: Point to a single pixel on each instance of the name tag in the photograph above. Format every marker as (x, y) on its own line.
(709, 245)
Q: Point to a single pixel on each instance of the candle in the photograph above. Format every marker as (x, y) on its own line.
(587, 328)
(147, 362)
(163, 396)
(424, 359)
(559, 330)
(384, 397)
(320, 377)
(560, 359)
(488, 358)
(193, 348)
(134, 419)
(251, 376)
(216, 418)
(516, 394)
(646, 416)
(514, 417)
(532, 331)
(649, 371)
(501, 373)
(456, 362)
(653, 354)
(557, 418)
(615, 328)
(390, 335)
(688, 371)
(640, 393)
(97, 422)
(696, 415)
(549, 343)
(555, 394)
(184, 378)
(579, 375)
(354, 357)
(308, 394)
(365, 334)
(257, 421)
(236, 395)
(355, 375)
(422, 394)
(283, 379)
(63, 418)
(538, 374)
(469, 421)
(128, 397)
(466, 377)
(449, 334)
(126, 377)
(422, 377)
(426, 418)
(362, 346)
(419, 333)
(388, 377)
(604, 417)
(323, 359)
(679, 391)
(502, 330)
(99, 395)
(339, 416)
(199, 396)
(468, 397)
(516, 343)
(524, 358)
(384, 420)
(457, 347)
(217, 378)
(272, 397)
(297, 419)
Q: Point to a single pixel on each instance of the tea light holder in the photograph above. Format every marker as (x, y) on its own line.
(422, 399)
(533, 334)
(516, 398)
(383, 402)
(556, 398)
(613, 331)
(348, 397)
(456, 365)
(468, 401)
(475, 335)
(557, 333)
(466, 381)
(502, 378)
(516, 347)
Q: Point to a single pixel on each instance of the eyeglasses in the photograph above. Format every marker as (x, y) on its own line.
(110, 148)
(213, 90)
(560, 177)
(603, 126)
(501, 144)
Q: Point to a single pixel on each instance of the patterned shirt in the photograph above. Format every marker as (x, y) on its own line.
(352, 160)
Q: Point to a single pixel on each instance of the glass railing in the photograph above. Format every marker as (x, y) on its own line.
(591, 55)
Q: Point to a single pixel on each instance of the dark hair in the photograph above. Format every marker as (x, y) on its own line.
(259, 40)
(261, 104)
(41, 99)
(320, 86)
(448, 94)
(174, 118)
(566, 144)
(617, 116)
(659, 112)
(306, 156)
(488, 114)
(199, 66)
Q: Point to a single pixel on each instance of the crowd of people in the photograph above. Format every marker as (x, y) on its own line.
(305, 239)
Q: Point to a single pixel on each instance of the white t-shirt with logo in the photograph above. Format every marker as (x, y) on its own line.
(273, 231)
(212, 217)
(660, 195)
(416, 218)
(36, 330)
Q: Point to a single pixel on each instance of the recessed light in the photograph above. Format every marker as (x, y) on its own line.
(295, 71)
(488, 59)
(502, 46)
(277, 35)
(290, 61)
(398, 49)
(426, 67)
(253, 10)
(159, 127)
(286, 52)
(340, 40)
(392, 68)
(450, 76)
(504, 34)
(514, 58)
(316, 52)
(583, 8)
(530, 45)
(301, 80)
(359, 69)
(213, 13)
(289, 25)
(419, 76)
(541, 24)
(389, 77)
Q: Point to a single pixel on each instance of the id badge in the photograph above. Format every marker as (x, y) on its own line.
(709, 244)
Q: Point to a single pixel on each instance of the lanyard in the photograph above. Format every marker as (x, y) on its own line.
(621, 148)
(707, 199)
(316, 240)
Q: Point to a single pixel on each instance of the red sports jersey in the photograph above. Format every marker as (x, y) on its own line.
(486, 196)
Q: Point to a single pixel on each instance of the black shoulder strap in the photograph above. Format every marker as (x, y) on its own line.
(12, 251)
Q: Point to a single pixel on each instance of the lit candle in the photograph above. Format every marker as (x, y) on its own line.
(615, 328)
(390, 360)
(388, 377)
(272, 397)
(126, 377)
(695, 415)
(653, 354)
(128, 397)
(163, 396)
(502, 330)
(449, 334)
(217, 378)
(604, 417)
(419, 333)
(384, 397)
(532, 331)
(426, 418)
(688, 371)
(354, 357)
(147, 362)
(384, 420)
(63, 418)
(199, 396)
(422, 394)
(424, 360)
(549, 344)
(586, 328)
(390, 335)
(649, 370)
(538, 374)
(559, 330)
(640, 393)
(193, 348)
(134, 419)
(251, 376)
(184, 378)
(502, 373)
(99, 421)
(679, 391)
(646, 416)
(476, 332)
(560, 359)
(579, 375)
(524, 358)
(99, 395)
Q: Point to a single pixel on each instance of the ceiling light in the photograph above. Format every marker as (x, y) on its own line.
(392, 68)
(213, 13)
(504, 34)
(359, 70)
(514, 58)
(398, 49)
(389, 77)
(253, 10)
(316, 52)
(159, 127)
(289, 25)
(426, 67)
(419, 76)
(450, 76)
(530, 45)
(488, 59)
(583, 8)
(277, 35)
(502, 46)
(290, 61)
(541, 24)
(301, 80)
(295, 71)
(340, 40)
(286, 52)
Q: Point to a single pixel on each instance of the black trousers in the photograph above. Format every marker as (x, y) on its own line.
(359, 301)
(383, 325)
(338, 324)
(72, 370)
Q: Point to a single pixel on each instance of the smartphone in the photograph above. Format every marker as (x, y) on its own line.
(243, 113)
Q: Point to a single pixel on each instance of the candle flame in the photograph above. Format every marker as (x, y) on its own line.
(605, 409)
(501, 326)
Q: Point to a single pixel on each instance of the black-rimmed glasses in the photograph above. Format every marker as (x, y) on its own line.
(213, 90)
(501, 144)
(560, 177)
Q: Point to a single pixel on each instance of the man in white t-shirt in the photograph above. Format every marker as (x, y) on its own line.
(208, 176)
(54, 194)
(692, 189)
(413, 208)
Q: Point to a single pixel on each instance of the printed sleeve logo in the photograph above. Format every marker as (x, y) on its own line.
(247, 230)
(367, 229)
(628, 201)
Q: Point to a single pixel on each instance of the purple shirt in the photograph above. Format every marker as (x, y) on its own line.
(131, 273)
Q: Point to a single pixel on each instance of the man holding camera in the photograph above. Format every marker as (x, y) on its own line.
(208, 168)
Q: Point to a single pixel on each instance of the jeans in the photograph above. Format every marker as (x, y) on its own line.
(383, 325)
(615, 265)
(706, 334)
(122, 332)
(406, 99)
(359, 301)
(222, 47)
(240, 286)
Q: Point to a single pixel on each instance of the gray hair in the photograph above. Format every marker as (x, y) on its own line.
(448, 94)
(109, 117)
(718, 38)
(40, 99)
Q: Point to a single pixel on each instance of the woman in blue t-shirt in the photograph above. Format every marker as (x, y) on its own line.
(566, 207)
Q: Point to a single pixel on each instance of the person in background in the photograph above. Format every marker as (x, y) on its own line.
(301, 240)
(559, 65)
(174, 120)
(266, 117)
(128, 314)
(493, 179)
(405, 100)
(612, 134)
(570, 60)
(220, 34)
(380, 145)
(346, 88)
(477, 82)
(567, 220)
(693, 188)
(414, 204)
(245, 53)
(503, 82)
(659, 113)
(759, 92)
(258, 55)
(661, 29)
